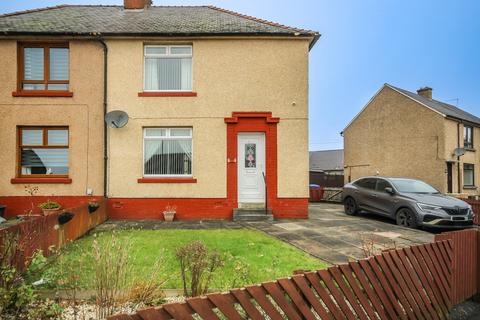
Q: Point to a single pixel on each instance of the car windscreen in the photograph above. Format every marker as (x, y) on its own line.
(413, 186)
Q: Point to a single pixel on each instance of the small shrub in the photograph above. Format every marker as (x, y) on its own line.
(111, 268)
(197, 266)
(31, 191)
(49, 205)
(241, 273)
(148, 291)
(18, 299)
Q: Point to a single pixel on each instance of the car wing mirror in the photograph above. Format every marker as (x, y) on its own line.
(389, 190)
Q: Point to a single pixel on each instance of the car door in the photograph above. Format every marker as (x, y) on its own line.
(383, 202)
(363, 193)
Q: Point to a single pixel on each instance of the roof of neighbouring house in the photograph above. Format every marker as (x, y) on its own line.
(152, 21)
(326, 160)
(444, 108)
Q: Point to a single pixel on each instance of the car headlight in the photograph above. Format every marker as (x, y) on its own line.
(428, 207)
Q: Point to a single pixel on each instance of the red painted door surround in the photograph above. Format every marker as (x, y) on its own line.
(252, 122)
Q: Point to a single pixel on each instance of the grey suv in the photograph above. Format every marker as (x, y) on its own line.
(412, 203)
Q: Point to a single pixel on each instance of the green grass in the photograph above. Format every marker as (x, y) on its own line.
(266, 257)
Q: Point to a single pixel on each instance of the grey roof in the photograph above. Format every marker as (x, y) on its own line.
(155, 20)
(441, 107)
(326, 160)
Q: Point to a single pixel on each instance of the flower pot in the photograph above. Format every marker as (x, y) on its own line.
(65, 217)
(168, 215)
(47, 212)
(92, 209)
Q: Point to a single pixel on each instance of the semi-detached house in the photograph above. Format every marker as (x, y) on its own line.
(217, 105)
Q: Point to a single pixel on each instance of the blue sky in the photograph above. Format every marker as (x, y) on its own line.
(364, 44)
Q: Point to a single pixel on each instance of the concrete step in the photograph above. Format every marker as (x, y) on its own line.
(251, 205)
(252, 215)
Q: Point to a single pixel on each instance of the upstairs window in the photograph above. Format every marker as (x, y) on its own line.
(167, 152)
(168, 68)
(43, 67)
(468, 137)
(43, 151)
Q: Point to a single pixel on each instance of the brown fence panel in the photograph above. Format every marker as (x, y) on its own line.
(43, 232)
(465, 267)
(408, 283)
(476, 209)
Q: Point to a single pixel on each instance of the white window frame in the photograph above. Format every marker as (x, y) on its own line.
(167, 56)
(166, 137)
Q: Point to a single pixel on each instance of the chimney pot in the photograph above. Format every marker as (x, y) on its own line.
(136, 4)
(425, 92)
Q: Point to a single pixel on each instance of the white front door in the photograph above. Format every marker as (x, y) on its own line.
(251, 167)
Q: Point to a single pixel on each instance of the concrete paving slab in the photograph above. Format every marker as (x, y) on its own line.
(329, 234)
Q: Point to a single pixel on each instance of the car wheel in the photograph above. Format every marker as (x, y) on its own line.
(350, 206)
(406, 218)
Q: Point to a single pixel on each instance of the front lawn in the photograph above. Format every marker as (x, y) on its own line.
(250, 256)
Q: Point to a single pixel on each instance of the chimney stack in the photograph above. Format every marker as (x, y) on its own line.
(136, 4)
(425, 92)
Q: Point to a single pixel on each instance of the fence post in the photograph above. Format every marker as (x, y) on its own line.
(477, 267)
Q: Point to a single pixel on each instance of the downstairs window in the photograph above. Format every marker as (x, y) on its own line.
(43, 151)
(468, 175)
(167, 152)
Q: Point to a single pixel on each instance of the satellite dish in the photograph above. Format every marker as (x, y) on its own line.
(116, 119)
(458, 152)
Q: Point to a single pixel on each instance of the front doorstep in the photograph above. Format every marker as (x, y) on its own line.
(246, 214)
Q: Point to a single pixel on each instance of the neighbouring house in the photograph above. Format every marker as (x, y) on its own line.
(401, 133)
(326, 168)
(217, 104)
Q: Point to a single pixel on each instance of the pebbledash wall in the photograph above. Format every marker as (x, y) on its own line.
(82, 113)
(256, 85)
(250, 84)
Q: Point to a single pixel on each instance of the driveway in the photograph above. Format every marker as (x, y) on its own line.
(330, 235)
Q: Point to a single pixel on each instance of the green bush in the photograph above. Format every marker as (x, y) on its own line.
(49, 205)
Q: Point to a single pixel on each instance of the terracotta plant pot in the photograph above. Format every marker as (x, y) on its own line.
(47, 212)
(168, 215)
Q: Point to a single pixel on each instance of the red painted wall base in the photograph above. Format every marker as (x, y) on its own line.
(196, 209)
(148, 208)
(20, 204)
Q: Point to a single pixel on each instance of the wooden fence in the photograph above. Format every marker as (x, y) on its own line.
(408, 283)
(466, 264)
(41, 233)
(476, 209)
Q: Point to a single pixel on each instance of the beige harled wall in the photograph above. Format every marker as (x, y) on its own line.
(83, 113)
(228, 75)
(395, 136)
(452, 128)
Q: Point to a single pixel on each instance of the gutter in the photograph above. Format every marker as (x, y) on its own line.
(314, 40)
(105, 155)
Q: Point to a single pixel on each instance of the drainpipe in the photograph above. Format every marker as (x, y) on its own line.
(458, 159)
(105, 156)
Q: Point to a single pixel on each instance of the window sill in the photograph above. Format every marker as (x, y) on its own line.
(167, 94)
(44, 93)
(41, 180)
(470, 187)
(470, 149)
(167, 180)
